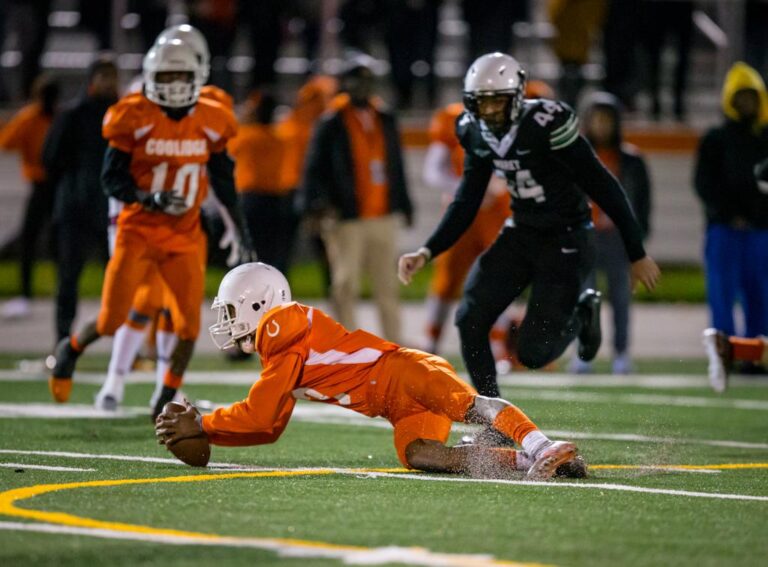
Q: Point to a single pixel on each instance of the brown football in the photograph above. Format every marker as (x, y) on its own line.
(195, 451)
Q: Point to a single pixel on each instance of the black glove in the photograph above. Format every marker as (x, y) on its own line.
(163, 201)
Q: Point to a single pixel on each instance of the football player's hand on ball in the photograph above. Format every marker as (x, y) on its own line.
(645, 271)
(164, 202)
(409, 264)
(178, 422)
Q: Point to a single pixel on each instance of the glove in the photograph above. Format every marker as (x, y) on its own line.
(240, 247)
(163, 202)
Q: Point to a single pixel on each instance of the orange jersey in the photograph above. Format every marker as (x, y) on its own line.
(25, 133)
(259, 152)
(442, 129)
(305, 355)
(168, 155)
(216, 94)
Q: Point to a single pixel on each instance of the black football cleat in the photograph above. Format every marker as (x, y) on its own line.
(166, 395)
(590, 335)
(64, 361)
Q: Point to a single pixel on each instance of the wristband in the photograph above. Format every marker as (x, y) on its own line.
(426, 252)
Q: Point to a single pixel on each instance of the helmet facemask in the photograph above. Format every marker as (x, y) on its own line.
(172, 75)
(499, 122)
(173, 93)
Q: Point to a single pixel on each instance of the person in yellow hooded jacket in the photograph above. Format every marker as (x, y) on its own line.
(736, 249)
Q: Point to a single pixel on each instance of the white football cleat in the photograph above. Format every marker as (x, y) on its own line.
(109, 397)
(720, 358)
(550, 458)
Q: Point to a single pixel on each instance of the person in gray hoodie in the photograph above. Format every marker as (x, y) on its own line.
(602, 127)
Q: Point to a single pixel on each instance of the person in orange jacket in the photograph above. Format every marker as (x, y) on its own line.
(25, 133)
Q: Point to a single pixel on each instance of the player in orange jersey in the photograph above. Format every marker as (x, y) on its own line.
(723, 350)
(151, 302)
(163, 147)
(307, 355)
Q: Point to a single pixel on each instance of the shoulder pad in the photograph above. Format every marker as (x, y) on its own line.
(465, 124)
(124, 119)
(555, 119)
(219, 95)
(219, 122)
(282, 329)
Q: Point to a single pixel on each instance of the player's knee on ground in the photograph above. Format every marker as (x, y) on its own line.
(427, 455)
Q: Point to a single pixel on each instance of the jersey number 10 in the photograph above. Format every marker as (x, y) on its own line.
(186, 183)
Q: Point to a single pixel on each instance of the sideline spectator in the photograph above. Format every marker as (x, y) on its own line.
(490, 24)
(412, 61)
(620, 38)
(267, 203)
(736, 247)
(355, 181)
(577, 23)
(25, 133)
(73, 154)
(602, 127)
(662, 19)
(312, 100)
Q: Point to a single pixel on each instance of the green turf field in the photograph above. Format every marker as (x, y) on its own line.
(330, 491)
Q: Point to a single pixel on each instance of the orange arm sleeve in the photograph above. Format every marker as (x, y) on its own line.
(264, 414)
(12, 133)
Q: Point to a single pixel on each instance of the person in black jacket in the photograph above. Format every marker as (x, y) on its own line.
(549, 243)
(354, 185)
(736, 205)
(73, 153)
(602, 128)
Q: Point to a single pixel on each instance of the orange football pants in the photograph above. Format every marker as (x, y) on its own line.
(421, 395)
(452, 266)
(132, 264)
(153, 295)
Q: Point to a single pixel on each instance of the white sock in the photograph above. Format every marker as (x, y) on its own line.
(534, 442)
(165, 342)
(523, 461)
(125, 346)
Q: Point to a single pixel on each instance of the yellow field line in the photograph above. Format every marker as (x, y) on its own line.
(9, 498)
(725, 466)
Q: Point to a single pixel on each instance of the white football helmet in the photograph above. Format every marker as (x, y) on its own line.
(495, 74)
(192, 37)
(245, 294)
(173, 55)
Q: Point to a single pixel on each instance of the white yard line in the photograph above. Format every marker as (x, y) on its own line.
(43, 467)
(329, 414)
(518, 379)
(349, 555)
(107, 457)
(584, 485)
(639, 399)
